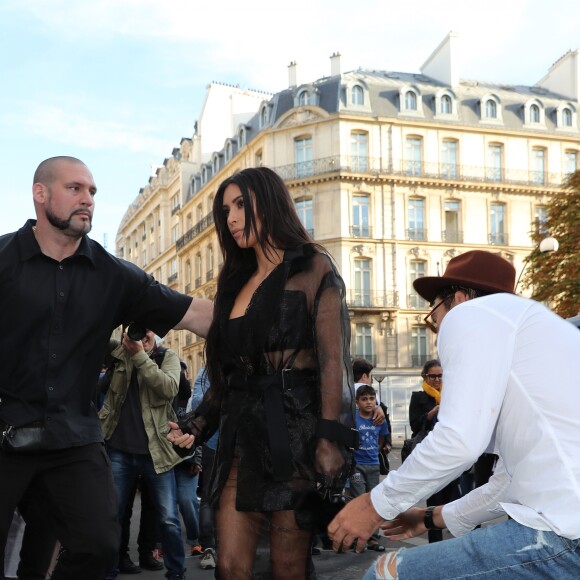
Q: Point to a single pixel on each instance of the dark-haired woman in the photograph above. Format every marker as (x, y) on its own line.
(423, 411)
(278, 362)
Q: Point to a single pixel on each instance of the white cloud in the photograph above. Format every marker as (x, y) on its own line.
(68, 125)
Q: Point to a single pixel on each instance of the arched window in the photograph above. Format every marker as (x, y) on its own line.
(411, 101)
(446, 105)
(358, 95)
(303, 98)
(566, 117)
(534, 114)
(264, 117)
(491, 109)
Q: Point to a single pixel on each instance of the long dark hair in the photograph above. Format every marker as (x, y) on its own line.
(265, 195)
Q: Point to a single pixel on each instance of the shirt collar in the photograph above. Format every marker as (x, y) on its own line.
(29, 246)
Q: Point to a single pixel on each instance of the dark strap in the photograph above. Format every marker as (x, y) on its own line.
(335, 431)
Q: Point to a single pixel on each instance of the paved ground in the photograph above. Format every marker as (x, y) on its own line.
(329, 566)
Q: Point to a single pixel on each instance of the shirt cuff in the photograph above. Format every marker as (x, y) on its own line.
(381, 505)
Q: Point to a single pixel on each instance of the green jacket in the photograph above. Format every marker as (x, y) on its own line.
(157, 389)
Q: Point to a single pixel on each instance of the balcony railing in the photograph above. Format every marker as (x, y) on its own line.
(417, 303)
(452, 236)
(499, 239)
(172, 278)
(418, 360)
(198, 282)
(361, 232)
(417, 234)
(193, 232)
(175, 209)
(209, 275)
(372, 358)
(443, 171)
(188, 288)
(371, 299)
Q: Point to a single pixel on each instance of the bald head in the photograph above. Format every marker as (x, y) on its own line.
(47, 171)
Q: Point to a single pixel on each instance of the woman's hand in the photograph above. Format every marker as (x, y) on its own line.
(178, 437)
(406, 525)
(328, 459)
(433, 412)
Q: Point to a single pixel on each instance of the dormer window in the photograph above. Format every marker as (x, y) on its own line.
(446, 104)
(357, 95)
(411, 101)
(303, 98)
(534, 113)
(264, 117)
(491, 109)
(566, 117)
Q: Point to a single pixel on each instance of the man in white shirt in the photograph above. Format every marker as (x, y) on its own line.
(525, 409)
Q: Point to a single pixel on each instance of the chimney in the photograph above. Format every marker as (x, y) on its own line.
(335, 64)
(292, 74)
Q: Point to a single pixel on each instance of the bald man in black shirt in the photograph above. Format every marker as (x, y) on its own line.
(61, 296)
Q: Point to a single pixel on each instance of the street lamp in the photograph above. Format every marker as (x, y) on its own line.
(548, 244)
(380, 377)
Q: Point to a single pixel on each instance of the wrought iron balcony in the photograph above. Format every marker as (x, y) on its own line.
(372, 358)
(193, 232)
(418, 360)
(452, 236)
(499, 239)
(444, 171)
(361, 232)
(371, 299)
(209, 275)
(172, 278)
(198, 282)
(415, 302)
(417, 234)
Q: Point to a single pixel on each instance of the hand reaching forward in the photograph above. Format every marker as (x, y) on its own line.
(406, 525)
(354, 523)
(178, 438)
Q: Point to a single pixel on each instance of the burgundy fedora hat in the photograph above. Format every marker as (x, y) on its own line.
(477, 269)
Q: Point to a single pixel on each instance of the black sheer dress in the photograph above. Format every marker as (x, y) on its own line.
(285, 367)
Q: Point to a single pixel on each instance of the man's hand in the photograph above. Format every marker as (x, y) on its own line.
(406, 525)
(178, 438)
(378, 416)
(132, 347)
(354, 523)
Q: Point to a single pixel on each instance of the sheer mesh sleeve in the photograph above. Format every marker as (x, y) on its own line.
(204, 421)
(332, 340)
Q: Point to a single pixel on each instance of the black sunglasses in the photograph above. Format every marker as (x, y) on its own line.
(433, 377)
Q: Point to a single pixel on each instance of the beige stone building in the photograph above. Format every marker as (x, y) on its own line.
(394, 173)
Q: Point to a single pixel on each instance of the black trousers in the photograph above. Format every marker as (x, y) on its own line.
(77, 485)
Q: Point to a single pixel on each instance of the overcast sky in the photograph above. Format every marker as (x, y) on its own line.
(118, 83)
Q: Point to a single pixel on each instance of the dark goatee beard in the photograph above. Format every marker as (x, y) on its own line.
(65, 225)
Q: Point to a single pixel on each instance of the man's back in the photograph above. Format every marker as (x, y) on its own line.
(510, 363)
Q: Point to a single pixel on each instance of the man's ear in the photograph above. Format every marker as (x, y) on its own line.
(39, 191)
(460, 297)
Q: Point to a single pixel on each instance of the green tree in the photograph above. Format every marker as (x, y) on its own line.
(554, 277)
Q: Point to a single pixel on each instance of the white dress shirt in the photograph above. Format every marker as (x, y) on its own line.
(511, 383)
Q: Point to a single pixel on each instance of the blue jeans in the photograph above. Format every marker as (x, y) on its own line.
(127, 467)
(506, 550)
(187, 501)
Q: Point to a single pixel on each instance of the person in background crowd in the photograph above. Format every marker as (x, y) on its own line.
(134, 419)
(279, 366)
(526, 411)
(187, 472)
(62, 295)
(371, 437)
(206, 512)
(423, 412)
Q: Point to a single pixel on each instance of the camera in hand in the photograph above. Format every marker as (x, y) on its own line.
(136, 331)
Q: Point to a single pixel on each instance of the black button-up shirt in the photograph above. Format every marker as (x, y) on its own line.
(57, 318)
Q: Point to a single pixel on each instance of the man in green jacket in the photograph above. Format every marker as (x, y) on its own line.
(134, 417)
